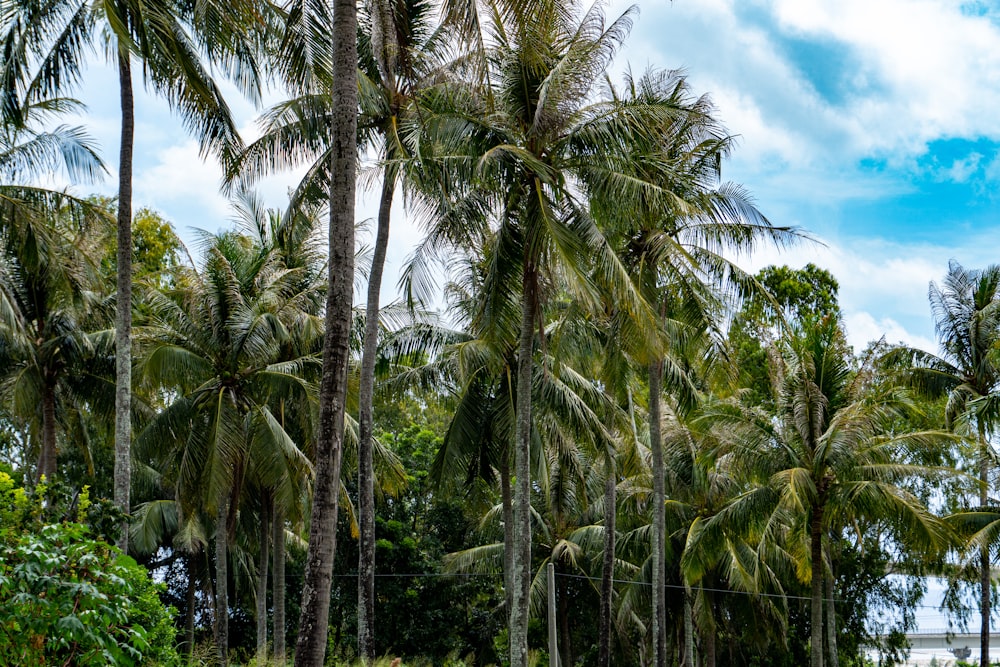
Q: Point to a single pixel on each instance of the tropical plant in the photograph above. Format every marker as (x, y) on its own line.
(396, 44)
(520, 155)
(314, 618)
(67, 596)
(966, 310)
(169, 37)
(827, 457)
(674, 243)
(50, 306)
(219, 342)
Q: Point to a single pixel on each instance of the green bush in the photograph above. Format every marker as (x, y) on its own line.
(66, 598)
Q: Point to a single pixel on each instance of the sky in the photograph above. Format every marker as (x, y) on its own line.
(872, 125)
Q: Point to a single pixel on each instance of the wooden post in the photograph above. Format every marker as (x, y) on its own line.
(553, 644)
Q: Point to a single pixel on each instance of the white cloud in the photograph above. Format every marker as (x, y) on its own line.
(883, 286)
(917, 71)
(178, 179)
(862, 328)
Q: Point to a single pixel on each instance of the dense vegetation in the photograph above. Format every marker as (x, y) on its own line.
(712, 473)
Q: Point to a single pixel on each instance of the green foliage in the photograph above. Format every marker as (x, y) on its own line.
(800, 298)
(156, 249)
(68, 598)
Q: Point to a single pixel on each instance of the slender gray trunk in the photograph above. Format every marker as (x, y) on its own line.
(831, 616)
(659, 624)
(123, 308)
(521, 577)
(278, 583)
(608, 567)
(816, 604)
(192, 600)
(688, 630)
(262, 563)
(310, 649)
(508, 535)
(47, 456)
(222, 583)
(366, 474)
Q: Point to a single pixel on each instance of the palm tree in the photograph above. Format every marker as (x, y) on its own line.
(168, 36)
(520, 154)
(397, 39)
(966, 311)
(829, 455)
(220, 342)
(314, 54)
(48, 307)
(48, 290)
(673, 243)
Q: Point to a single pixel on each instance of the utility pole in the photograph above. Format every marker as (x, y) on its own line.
(553, 645)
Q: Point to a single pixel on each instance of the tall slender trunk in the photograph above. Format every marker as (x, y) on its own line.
(521, 577)
(262, 563)
(123, 308)
(608, 567)
(566, 639)
(816, 616)
(708, 639)
(366, 474)
(222, 583)
(688, 630)
(659, 624)
(831, 615)
(508, 535)
(310, 649)
(47, 455)
(191, 602)
(278, 583)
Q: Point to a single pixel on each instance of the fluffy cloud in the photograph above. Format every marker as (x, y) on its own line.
(912, 71)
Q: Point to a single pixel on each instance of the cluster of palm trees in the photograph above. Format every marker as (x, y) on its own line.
(588, 242)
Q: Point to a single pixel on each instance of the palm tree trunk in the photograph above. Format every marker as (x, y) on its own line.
(608, 567)
(521, 574)
(262, 563)
(659, 624)
(278, 583)
(984, 553)
(508, 535)
(708, 640)
(192, 590)
(816, 548)
(222, 583)
(366, 475)
(123, 308)
(566, 654)
(47, 456)
(831, 618)
(310, 649)
(688, 630)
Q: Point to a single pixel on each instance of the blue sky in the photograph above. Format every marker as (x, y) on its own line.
(872, 124)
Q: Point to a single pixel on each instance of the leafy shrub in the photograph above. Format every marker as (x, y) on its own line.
(67, 598)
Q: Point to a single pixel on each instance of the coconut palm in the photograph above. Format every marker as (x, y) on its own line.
(220, 342)
(675, 245)
(169, 37)
(520, 155)
(966, 309)
(339, 44)
(49, 308)
(397, 40)
(828, 456)
(49, 289)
